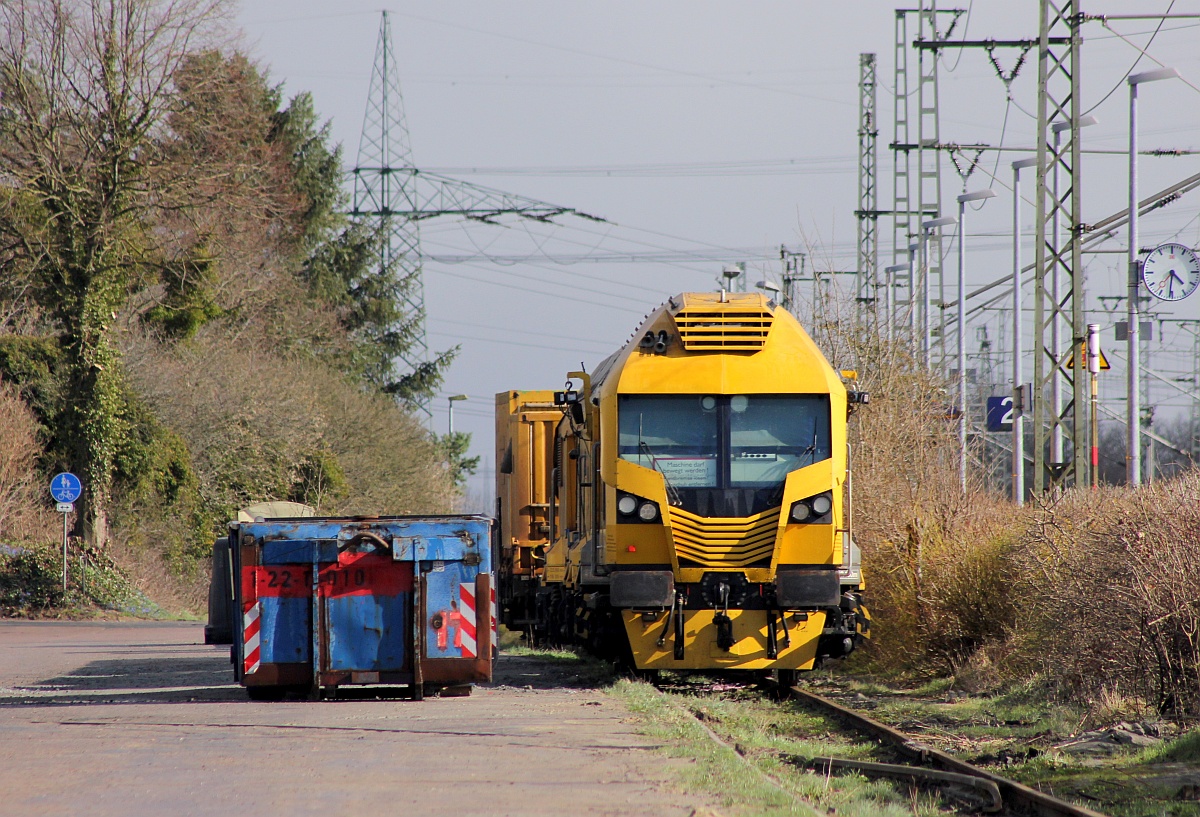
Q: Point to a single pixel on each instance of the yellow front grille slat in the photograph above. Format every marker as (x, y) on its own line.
(709, 557)
(723, 542)
(698, 539)
(705, 329)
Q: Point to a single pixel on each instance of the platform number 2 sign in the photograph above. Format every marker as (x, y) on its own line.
(1000, 413)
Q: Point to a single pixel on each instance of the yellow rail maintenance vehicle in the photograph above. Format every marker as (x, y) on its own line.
(687, 505)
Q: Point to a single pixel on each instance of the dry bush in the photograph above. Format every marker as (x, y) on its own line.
(261, 427)
(154, 576)
(390, 462)
(24, 515)
(246, 418)
(1109, 707)
(981, 672)
(941, 589)
(936, 558)
(258, 426)
(1112, 585)
(1096, 593)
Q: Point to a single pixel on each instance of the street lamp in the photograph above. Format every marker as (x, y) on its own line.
(914, 251)
(793, 271)
(1133, 451)
(977, 195)
(452, 399)
(927, 228)
(889, 298)
(1018, 440)
(734, 275)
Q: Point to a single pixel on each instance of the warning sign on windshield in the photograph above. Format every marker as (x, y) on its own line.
(688, 472)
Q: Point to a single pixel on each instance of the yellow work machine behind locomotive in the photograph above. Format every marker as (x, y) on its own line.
(687, 505)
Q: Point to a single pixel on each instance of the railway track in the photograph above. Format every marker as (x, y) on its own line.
(976, 790)
(1002, 796)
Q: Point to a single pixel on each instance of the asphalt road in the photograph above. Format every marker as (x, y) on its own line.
(143, 719)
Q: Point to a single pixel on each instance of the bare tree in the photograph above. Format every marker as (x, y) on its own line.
(86, 91)
(21, 515)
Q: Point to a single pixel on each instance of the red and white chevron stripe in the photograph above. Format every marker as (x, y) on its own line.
(466, 624)
(495, 617)
(250, 630)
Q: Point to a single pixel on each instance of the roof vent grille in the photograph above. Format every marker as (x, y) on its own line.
(705, 329)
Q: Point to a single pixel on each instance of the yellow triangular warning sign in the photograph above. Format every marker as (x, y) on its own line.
(1104, 364)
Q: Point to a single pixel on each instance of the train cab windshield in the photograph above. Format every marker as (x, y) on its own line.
(724, 455)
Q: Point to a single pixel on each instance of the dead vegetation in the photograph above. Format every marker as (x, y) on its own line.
(1092, 596)
(1095, 595)
(1122, 617)
(23, 511)
(259, 425)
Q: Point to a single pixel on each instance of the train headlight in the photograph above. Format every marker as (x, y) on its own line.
(811, 510)
(633, 509)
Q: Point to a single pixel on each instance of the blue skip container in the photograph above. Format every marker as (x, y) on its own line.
(319, 603)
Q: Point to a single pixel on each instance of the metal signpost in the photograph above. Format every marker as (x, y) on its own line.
(65, 489)
(1093, 365)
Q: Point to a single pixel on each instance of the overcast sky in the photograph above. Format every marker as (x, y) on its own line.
(712, 129)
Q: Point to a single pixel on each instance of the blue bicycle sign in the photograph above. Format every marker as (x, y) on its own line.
(65, 487)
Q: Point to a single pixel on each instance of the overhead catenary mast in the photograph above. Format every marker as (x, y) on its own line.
(867, 285)
(903, 216)
(1058, 102)
(1057, 260)
(929, 162)
(916, 144)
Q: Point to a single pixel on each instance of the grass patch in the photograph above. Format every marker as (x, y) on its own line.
(1183, 749)
(512, 642)
(935, 686)
(935, 708)
(746, 772)
(547, 654)
(715, 769)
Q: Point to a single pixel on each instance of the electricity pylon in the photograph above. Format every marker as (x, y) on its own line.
(389, 187)
(384, 185)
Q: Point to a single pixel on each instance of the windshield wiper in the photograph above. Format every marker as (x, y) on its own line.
(812, 449)
(672, 494)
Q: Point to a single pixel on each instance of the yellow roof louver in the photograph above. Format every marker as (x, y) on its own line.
(723, 322)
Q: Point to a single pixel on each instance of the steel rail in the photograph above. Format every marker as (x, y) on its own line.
(1016, 796)
(980, 784)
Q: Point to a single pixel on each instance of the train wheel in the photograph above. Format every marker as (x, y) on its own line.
(787, 677)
